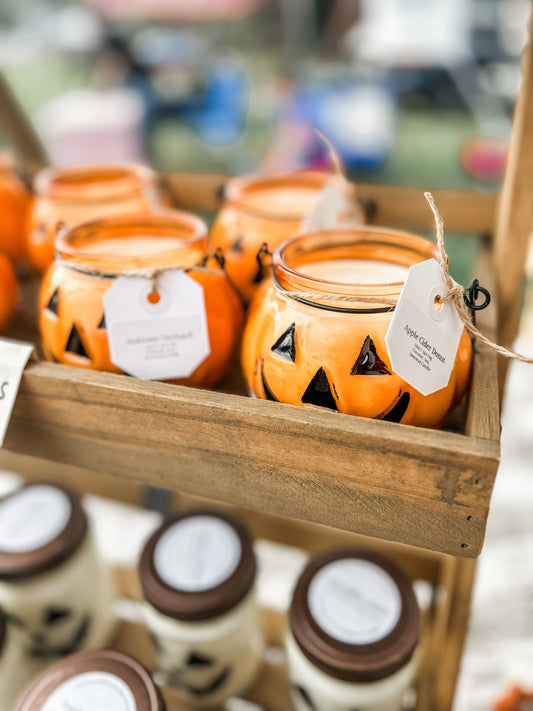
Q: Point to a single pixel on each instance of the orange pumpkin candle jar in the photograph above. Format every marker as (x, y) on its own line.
(304, 347)
(68, 196)
(71, 307)
(15, 202)
(259, 210)
(8, 291)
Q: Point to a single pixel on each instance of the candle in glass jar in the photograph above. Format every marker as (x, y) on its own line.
(132, 246)
(356, 271)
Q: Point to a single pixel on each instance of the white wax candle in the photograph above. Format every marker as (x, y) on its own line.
(132, 246)
(287, 200)
(355, 271)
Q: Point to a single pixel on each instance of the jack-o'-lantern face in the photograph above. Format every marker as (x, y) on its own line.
(336, 359)
(55, 630)
(71, 306)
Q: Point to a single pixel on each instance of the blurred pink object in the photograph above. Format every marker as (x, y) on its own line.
(88, 126)
(183, 10)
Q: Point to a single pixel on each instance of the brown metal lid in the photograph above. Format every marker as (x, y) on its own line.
(41, 525)
(354, 615)
(104, 679)
(198, 565)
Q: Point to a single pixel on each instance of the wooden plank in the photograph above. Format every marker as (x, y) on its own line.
(452, 649)
(86, 482)
(483, 411)
(515, 217)
(412, 485)
(395, 206)
(15, 125)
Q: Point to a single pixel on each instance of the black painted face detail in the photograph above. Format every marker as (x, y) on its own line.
(41, 650)
(319, 393)
(102, 323)
(176, 679)
(302, 693)
(53, 304)
(269, 395)
(237, 244)
(53, 615)
(399, 410)
(285, 346)
(75, 344)
(368, 362)
(196, 659)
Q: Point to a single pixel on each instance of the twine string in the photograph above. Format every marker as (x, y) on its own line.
(454, 294)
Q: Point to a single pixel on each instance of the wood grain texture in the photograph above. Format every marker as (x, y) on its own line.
(515, 216)
(421, 487)
(483, 410)
(395, 206)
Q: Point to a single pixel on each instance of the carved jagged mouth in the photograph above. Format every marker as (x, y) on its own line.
(176, 680)
(268, 392)
(399, 410)
(40, 650)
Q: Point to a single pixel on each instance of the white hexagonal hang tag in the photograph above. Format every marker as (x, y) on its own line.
(163, 337)
(423, 336)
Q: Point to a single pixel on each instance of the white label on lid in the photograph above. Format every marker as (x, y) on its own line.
(423, 339)
(33, 517)
(354, 601)
(197, 553)
(157, 341)
(92, 691)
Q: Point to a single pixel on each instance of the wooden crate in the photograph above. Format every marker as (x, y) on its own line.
(298, 474)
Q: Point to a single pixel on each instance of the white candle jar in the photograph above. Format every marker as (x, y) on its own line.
(93, 681)
(354, 629)
(197, 573)
(15, 671)
(51, 579)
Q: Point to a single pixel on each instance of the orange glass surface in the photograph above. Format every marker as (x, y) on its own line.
(71, 308)
(259, 210)
(8, 291)
(15, 202)
(330, 354)
(69, 196)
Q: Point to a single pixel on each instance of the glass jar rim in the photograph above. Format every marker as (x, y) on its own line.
(237, 191)
(135, 224)
(331, 239)
(98, 182)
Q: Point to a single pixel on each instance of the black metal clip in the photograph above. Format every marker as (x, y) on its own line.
(471, 295)
(261, 264)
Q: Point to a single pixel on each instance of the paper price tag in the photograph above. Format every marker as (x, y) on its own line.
(332, 210)
(157, 341)
(422, 339)
(14, 356)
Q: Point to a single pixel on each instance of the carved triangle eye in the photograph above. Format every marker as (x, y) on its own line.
(319, 393)
(368, 362)
(53, 304)
(75, 344)
(285, 346)
(102, 323)
(52, 615)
